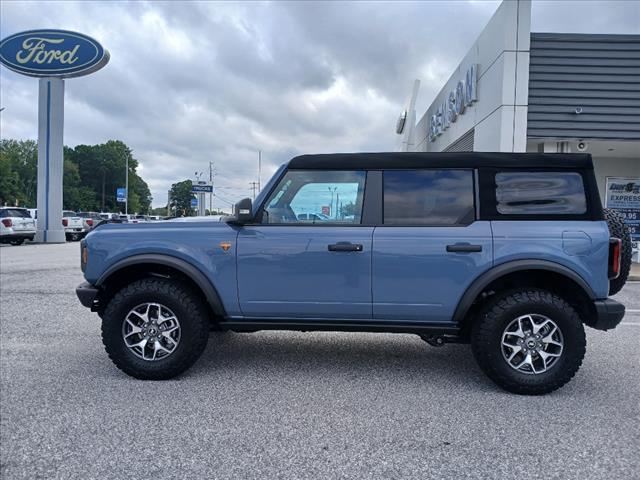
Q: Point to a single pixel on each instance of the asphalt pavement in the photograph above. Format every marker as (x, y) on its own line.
(293, 405)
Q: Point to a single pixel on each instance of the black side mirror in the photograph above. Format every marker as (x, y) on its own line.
(242, 212)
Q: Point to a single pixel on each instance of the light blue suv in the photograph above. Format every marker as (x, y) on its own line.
(510, 252)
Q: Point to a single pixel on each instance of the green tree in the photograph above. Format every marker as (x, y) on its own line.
(91, 175)
(180, 195)
(18, 167)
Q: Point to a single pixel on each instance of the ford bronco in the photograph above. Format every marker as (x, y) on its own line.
(512, 253)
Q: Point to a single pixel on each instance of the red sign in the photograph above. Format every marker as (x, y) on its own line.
(325, 210)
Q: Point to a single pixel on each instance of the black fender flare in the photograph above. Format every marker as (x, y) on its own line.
(195, 274)
(480, 283)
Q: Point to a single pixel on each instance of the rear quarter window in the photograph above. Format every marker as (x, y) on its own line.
(540, 193)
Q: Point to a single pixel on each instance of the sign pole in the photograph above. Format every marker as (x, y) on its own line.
(50, 160)
(126, 186)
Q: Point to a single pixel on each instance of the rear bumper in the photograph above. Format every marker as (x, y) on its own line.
(87, 294)
(609, 313)
(27, 235)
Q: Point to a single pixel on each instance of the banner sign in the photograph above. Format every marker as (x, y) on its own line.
(52, 53)
(201, 188)
(121, 194)
(623, 195)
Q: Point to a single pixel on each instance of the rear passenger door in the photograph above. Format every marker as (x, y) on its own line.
(430, 246)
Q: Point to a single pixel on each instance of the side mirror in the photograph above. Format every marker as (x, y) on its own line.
(242, 212)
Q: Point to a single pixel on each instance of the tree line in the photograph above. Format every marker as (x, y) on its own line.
(92, 173)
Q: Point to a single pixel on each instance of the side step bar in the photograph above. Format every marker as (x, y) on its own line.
(338, 326)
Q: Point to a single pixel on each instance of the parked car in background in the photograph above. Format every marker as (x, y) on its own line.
(16, 225)
(313, 217)
(73, 225)
(89, 220)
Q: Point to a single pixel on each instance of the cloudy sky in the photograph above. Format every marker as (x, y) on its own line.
(190, 83)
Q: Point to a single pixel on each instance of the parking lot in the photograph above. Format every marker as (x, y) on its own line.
(293, 405)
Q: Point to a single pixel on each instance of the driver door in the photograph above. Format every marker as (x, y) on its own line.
(309, 256)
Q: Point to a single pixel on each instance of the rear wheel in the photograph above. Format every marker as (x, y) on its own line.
(17, 241)
(155, 329)
(529, 341)
(618, 229)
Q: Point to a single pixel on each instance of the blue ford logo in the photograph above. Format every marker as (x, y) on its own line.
(52, 53)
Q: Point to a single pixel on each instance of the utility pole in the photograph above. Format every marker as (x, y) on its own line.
(259, 168)
(211, 193)
(254, 185)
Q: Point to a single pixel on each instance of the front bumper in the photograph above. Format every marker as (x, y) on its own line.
(87, 294)
(609, 313)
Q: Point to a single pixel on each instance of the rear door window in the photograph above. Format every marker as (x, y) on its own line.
(14, 213)
(540, 193)
(428, 197)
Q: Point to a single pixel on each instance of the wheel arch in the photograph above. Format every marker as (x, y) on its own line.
(137, 266)
(527, 273)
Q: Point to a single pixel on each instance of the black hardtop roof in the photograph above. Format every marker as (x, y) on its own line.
(403, 160)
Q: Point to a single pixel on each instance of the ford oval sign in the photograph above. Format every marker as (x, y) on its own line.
(52, 53)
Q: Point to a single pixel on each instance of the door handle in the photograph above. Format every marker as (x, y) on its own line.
(464, 248)
(345, 247)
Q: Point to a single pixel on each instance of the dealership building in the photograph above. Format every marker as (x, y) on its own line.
(522, 91)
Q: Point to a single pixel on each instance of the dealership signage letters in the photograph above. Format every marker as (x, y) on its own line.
(454, 103)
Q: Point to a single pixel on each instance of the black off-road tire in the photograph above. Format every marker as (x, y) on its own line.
(486, 338)
(187, 307)
(618, 229)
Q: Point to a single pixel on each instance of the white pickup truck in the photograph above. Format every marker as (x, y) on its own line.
(73, 226)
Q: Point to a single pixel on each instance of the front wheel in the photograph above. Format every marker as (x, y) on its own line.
(529, 341)
(17, 241)
(155, 329)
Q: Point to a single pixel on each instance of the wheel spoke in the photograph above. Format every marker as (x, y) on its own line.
(538, 326)
(515, 350)
(169, 337)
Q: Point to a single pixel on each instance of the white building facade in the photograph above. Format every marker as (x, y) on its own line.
(518, 91)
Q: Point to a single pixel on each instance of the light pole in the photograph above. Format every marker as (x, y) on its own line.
(332, 190)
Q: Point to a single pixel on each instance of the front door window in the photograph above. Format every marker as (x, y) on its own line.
(316, 197)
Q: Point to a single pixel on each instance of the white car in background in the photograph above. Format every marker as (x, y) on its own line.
(73, 225)
(16, 225)
(89, 220)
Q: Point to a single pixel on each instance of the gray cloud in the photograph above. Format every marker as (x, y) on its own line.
(192, 82)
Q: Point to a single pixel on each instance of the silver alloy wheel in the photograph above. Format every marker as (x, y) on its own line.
(151, 331)
(532, 343)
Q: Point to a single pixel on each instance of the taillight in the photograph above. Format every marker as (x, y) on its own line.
(7, 222)
(65, 222)
(90, 222)
(615, 249)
